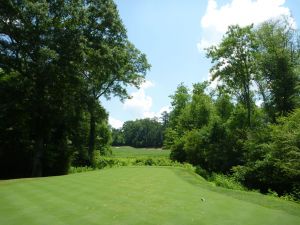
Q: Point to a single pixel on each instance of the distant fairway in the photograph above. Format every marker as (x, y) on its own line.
(137, 195)
(130, 152)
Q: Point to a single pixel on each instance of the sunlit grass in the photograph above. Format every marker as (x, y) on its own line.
(137, 195)
(130, 152)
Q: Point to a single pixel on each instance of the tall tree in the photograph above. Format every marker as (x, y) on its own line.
(111, 61)
(57, 58)
(234, 63)
(278, 60)
(179, 100)
(40, 45)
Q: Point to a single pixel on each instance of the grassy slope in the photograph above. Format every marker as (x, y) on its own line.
(137, 195)
(130, 152)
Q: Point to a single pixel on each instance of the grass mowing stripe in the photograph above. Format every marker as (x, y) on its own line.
(130, 195)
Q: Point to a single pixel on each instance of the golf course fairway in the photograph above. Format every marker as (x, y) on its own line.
(137, 195)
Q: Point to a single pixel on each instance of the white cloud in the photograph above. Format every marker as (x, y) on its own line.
(149, 114)
(147, 84)
(139, 101)
(242, 12)
(115, 123)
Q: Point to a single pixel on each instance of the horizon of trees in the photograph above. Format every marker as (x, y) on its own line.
(141, 133)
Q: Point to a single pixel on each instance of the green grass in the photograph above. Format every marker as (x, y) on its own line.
(137, 195)
(130, 152)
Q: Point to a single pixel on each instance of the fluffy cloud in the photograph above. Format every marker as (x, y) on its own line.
(150, 114)
(115, 123)
(139, 101)
(242, 12)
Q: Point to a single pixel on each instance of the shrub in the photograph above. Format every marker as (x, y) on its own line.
(202, 172)
(80, 169)
(225, 181)
(274, 158)
(103, 162)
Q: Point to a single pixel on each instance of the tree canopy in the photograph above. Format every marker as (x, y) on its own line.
(139, 133)
(57, 58)
(226, 130)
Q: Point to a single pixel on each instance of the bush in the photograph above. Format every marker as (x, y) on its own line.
(226, 182)
(274, 158)
(80, 169)
(202, 172)
(177, 151)
(103, 162)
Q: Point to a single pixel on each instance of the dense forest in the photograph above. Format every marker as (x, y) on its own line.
(249, 125)
(58, 58)
(139, 133)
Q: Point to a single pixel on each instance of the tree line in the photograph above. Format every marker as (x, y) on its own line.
(57, 58)
(139, 133)
(225, 130)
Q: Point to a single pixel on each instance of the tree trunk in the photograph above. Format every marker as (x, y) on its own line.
(249, 111)
(92, 135)
(37, 167)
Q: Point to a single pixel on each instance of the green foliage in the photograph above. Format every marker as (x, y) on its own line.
(130, 152)
(57, 58)
(118, 138)
(210, 138)
(274, 158)
(80, 169)
(226, 182)
(143, 133)
(170, 137)
(177, 151)
(227, 132)
(104, 162)
(198, 113)
(224, 106)
(278, 60)
(179, 101)
(202, 172)
(234, 63)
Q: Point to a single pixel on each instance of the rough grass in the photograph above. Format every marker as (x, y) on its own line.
(137, 195)
(130, 152)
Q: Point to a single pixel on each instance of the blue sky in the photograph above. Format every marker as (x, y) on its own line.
(173, 33)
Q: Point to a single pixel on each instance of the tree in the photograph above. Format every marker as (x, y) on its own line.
(179, 100)
(39, 51)
(273, 161)
(278, 60)
(143, 133)
(117, 137)
(64, 55)
(234, 63)
(199, 111)
(111, 61)
(172, 131)
(224, 106)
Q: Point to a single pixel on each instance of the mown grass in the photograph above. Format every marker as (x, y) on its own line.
(130, 152)
(137, 195)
